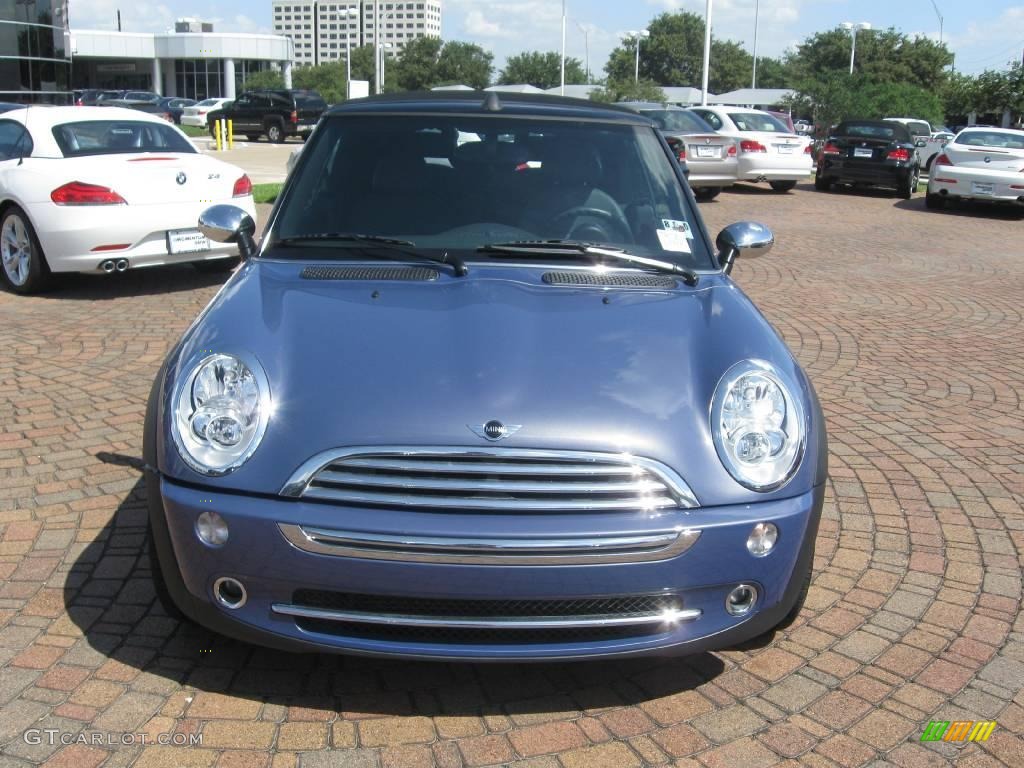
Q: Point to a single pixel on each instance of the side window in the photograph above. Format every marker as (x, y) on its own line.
(713, 120)
(14, 140)
(260, 102)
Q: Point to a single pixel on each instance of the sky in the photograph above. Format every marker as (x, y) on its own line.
(983, 34)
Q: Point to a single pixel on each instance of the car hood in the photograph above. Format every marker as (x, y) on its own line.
(354, 363)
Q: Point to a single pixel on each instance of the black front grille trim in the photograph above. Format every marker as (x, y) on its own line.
(416, 606)
(473, 636)
(609, 280)
(416, 274)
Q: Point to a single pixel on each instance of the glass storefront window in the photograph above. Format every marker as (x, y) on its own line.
(35, 64)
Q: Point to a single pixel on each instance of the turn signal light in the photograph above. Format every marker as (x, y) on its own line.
(749, 145)
(942, 159)
(830, 149)
(899, 154)
(807, 149)
(243, 187)
(294, 116)
(80, 193)
(732, 150)
(682, 153)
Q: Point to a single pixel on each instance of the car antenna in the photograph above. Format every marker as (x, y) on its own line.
(491, 102)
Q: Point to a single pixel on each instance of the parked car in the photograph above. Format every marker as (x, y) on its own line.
(276, 114)
(785, 118)
(981, 164)
(804, 127)
(196, 115)
(710, 158)
(141, 97)
(7, 106)
(934, 138)
(103, 96)
(554, 428)
(175, 106)
(768, 150)
(105, 189)
(870, 152)
(140, 106)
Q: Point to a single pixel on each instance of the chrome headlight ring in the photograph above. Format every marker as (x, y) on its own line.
(220, 412)
(759, 425)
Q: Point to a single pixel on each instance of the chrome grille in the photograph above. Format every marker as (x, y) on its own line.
(489, 479)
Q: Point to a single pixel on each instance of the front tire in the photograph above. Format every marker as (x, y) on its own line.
(24, 265)
(782, 186)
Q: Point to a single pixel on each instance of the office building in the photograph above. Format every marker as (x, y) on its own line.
(35, 53)
(321, 29)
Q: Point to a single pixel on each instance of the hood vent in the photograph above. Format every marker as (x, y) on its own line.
(609, 281)
(369, 273)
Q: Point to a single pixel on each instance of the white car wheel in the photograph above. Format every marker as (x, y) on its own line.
(24, 268)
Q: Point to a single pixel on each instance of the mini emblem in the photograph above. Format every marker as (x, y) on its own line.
(494, 430)
(707, 141)
(988, 159)
(181, 178)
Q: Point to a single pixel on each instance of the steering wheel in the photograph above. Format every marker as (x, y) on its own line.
(613, 221)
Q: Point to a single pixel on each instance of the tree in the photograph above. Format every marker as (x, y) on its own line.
(674, 55)
(541, 70)
(628, 90)
(266, 78)
(416, 66)
(834, 97)
(326, 79)
(465, 63)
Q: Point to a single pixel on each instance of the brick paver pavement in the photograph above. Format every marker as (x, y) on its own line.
(910, 324)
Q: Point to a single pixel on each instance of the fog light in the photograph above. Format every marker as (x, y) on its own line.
(762, 539)
(211, 529)
(229, 592)
(741, 600)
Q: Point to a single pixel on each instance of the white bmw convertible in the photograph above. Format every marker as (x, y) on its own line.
(104, 189)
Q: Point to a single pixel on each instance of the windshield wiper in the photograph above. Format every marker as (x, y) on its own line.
(570, 248)
(393, 247)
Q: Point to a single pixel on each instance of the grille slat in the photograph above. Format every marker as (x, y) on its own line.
(453, 621)
(498, 479)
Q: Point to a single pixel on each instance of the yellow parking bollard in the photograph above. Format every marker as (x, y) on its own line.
(216, 134)
(231, 134)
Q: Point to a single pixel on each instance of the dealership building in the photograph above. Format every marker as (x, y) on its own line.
(43, 58)
(195, 62)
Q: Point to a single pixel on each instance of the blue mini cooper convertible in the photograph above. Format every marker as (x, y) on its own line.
(484, 390)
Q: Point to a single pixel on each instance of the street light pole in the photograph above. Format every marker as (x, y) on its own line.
(586, 48)
(937, 13)
(707, 52)
(348, 50)
(637, 36)
(753, 77)
(852, 28)
(376, 42)
(562, 87)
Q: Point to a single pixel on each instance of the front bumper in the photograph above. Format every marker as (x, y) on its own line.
(274, 571)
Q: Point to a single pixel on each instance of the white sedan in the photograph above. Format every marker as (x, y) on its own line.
(195, 115)
(984, 164)
(768, 150)
(105, 189)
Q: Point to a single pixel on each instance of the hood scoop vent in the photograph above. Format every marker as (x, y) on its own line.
(609, 281)
(415, 274)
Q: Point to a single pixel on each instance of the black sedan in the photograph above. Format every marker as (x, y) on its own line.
(174, 106)
(869, 152)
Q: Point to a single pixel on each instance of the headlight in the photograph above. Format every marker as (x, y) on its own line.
(758, 425)
(221, 411)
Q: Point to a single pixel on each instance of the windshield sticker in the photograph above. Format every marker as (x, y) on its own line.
(674, 240)
(674, 225)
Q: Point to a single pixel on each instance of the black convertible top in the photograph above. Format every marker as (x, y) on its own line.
(493, 102)
(873, 129)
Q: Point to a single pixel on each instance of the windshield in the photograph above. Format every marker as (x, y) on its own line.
(208, 102)
(755, 121)
(109, 137)
(994, 139)
(677, 120)
(456, 183)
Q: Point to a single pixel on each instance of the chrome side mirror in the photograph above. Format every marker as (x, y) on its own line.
(744, 238)
(230, 224)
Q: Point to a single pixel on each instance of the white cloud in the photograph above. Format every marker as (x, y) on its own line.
(135, 17)
(477, 25)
